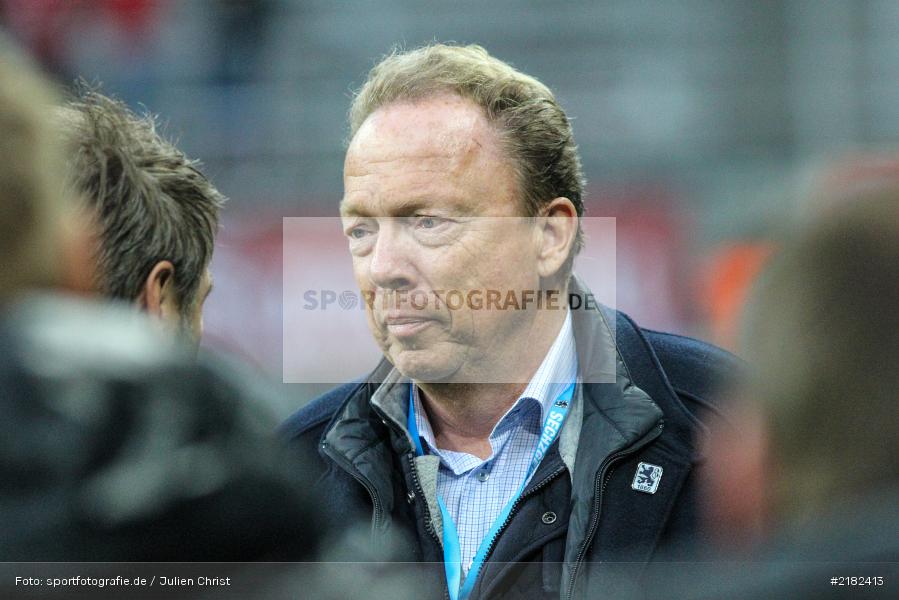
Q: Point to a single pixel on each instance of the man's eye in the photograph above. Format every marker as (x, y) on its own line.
(429, 222)
(358, 233)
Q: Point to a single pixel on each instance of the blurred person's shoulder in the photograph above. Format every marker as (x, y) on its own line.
(131, 447)
(59, 336)
(63, 344)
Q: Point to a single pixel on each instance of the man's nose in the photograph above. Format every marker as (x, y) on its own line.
(391, 265)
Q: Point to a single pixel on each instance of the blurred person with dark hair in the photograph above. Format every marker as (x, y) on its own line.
(114, 444)
(461, 173)
(805, 480)
(157, 214)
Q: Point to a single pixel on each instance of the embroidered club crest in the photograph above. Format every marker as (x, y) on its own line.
(647, 478)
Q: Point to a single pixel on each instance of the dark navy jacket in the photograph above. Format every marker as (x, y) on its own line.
(604, 532)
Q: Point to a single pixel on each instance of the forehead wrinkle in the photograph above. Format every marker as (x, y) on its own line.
(441, 154)
(426, 130)
(403, 198)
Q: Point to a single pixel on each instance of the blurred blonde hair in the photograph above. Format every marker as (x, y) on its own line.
(31, 185)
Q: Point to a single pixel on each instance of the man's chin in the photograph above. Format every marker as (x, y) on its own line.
(427, 365)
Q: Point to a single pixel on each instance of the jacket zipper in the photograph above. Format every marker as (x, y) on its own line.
(528, 493)
(605, 473)
(377, 517)
(377, 509)
(420, 493)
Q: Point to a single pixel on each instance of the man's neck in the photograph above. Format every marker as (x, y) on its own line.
(462, 415)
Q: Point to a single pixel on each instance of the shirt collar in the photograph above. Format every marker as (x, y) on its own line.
(557, 371)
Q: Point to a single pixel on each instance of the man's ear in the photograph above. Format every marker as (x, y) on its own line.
(557, 225)
(159, 297)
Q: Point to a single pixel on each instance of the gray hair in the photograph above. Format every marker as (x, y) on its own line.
(531, 124)
(151, 202)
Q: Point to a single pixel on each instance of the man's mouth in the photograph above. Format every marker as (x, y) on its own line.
(407, 325)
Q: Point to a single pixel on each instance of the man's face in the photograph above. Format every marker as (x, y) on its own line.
(431, 205)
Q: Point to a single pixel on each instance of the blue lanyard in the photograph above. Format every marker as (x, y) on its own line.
(452, 551)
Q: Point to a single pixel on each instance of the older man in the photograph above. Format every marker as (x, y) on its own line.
(504, 436)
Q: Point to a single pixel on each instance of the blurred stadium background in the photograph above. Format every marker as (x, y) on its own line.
(699, 121)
